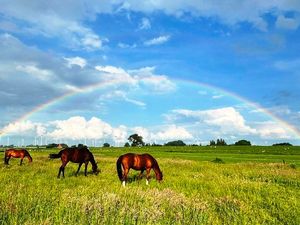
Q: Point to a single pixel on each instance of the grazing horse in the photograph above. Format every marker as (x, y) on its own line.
(137, 162)
(16, 153)
(77, 155)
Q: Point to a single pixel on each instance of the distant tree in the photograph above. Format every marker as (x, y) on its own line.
(80, 145)
(221, 142)
(175, 143)
(127, 145)
(52, 145)
(106, 145)
(136, 140)
(194, 145)
(242, 142)
(283, 144)
(154, 144)
(212, 142)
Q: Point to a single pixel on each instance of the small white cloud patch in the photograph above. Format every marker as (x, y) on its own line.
(76, 61)
(158, 40)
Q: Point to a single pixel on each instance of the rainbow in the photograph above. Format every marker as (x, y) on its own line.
(104, 84)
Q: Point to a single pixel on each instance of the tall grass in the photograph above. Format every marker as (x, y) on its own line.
(193, 192)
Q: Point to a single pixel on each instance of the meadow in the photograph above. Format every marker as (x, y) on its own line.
(245, 185)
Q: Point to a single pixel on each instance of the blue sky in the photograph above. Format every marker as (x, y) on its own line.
(168, 70)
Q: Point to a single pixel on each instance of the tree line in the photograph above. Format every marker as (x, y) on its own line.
(136, 140)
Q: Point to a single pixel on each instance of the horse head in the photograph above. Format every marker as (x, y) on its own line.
(95, 169)
(159, 176)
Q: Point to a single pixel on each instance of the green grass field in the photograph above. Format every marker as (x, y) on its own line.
(255, 185)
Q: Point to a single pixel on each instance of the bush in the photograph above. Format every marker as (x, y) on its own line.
(243, 142)
(106, 145)
(175, 143)
(218, 160)
(283, 144)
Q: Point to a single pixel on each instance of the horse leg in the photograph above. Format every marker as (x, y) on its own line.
(148, 175)
(141, 174)
(62, 169)
(78, 169)
(21, 161)
(7, 159)
(85, 169)
(125, 174)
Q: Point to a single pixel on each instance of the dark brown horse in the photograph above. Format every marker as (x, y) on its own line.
(137, 162)
(16, 153)
(77, 155)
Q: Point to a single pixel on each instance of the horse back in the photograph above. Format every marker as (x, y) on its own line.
(76, 155)
(16, 153)
(137, 162)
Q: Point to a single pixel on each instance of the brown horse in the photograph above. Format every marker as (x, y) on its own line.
(137, 162)
(77, 155)
(16, 153)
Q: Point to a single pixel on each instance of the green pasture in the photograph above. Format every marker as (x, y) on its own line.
(253, 185)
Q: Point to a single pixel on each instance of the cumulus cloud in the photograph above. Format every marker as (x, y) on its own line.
(78, 128)
(157, 41)
(272, 130)
(24, 128)
(228, 119)
(172, 132)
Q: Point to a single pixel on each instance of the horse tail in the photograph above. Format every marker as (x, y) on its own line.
(55, 156)
(119, 168)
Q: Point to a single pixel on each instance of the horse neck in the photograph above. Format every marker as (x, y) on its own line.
(28, 155)
(93, 162)
(156, 168)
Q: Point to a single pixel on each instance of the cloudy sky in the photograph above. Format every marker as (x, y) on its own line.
(97, 71)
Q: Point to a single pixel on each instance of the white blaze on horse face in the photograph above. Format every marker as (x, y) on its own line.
(123, 183)
(147, 182)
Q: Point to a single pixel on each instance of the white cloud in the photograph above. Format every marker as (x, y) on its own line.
(54, 20)
(228, 119)
(122, 95)
(78, 128)
(157, 41)
(33, 70)
(66, 19)
(110, 69)
(217, 96)
(230, 12)
(156, 83)
(272, 130)
(24, 128)
(171, 133)
(123, 45)
(145, 24)
(92, 41)
(76, 61)
(287, 23)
